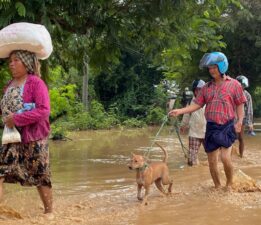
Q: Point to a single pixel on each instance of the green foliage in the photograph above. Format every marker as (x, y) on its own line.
(155, 116)
(96, 118)
(57, 77)
(80, 121)
(198, 30)
(20, 9)
(105, 29)
(101, 119)
(242, 32)
(4, 78)
(133, 122)
(160, 96)
(131, 46)
(58, 132)
(63, 100)
(129, 88)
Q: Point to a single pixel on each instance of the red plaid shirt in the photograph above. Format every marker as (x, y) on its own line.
(221, 100)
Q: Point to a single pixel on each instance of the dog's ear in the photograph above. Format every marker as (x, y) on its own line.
(132, 154)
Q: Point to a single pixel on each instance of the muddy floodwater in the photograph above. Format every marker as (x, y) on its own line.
(92, 184)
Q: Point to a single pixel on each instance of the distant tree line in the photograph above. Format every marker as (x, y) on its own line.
(110, 56)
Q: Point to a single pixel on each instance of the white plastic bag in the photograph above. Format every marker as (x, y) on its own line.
(25, 36)
(10, 135)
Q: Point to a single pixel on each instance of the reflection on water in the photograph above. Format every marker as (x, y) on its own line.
(90, 176)
(104, 155)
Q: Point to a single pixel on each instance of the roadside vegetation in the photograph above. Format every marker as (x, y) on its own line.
(112, 59)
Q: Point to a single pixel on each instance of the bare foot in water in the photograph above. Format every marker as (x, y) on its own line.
(228, 188)
(217, 187)
(48, 216)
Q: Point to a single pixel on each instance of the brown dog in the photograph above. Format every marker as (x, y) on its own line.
(157, 172)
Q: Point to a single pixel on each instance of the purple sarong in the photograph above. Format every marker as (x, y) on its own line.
(219, 135)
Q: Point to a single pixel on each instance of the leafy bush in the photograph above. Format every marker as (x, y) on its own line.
(58, 132)
(63, 100)
(101, 119)
(96, 118)
(133, 122)
(155, 115)
(4, 78)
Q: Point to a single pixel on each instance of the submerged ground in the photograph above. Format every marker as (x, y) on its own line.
(92, 185)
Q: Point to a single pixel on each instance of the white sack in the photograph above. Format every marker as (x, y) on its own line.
(25, 36)
(10, 135)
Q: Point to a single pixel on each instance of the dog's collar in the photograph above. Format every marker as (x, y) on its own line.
(141, 169)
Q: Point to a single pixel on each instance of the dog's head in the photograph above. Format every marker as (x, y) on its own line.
(137, 161)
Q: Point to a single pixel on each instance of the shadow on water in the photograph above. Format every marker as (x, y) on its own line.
(92, 184)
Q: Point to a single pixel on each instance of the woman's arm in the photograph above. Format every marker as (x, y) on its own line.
(42, 106)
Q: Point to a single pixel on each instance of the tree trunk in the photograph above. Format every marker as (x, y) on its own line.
(85, 83)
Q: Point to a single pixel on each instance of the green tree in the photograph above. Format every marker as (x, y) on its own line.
(242, 33)
(147, 27)
(164, 35)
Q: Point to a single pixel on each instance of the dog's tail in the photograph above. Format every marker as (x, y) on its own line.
(165, 153)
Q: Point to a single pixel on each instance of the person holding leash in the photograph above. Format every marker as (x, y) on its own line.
(224, 99)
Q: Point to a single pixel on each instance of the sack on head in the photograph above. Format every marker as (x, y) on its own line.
(25, 36)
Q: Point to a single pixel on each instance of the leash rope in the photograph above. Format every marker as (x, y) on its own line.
(177, 128)
(165, 120)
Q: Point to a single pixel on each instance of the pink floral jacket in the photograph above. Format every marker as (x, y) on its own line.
(35, 123)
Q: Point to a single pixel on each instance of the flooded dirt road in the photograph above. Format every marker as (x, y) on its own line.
(92, 185)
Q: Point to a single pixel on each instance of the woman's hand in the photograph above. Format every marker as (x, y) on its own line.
(9, 120)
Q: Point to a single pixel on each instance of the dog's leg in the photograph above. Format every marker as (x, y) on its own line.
(166, 180)
(147, 191)
(159, 186)
(170, 187)
(139, 192)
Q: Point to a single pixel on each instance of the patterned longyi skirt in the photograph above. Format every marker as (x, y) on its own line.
(27, 164)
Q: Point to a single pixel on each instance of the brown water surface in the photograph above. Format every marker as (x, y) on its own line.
(92, 185)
